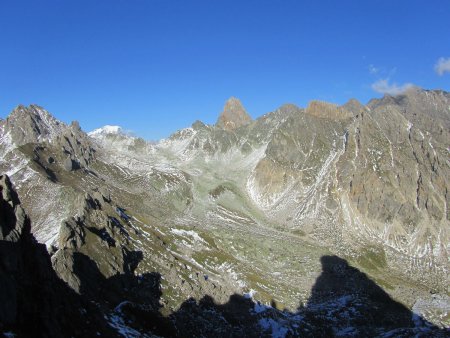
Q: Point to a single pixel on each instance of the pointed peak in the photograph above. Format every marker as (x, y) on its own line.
(233, 104)
(289, 108)
(75, 125)
(31, 110)
(354, 106)
(233, 115)
(20, 111)
(19, 107)
(233, 100)
(353, 102)
(197, 125)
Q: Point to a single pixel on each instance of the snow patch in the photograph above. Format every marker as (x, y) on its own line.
(278, 330)
(409, 126)
(250, 294)
(9, 334)
(190, 233)
(108, 129)
(117, 322)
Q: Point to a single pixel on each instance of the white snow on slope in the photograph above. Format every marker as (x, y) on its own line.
(53, 126)
(108, 129)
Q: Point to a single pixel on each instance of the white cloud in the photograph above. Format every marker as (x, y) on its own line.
(373, 69)
(384, 87)
(442, 66)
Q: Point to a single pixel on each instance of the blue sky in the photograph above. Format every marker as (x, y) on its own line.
(155, 66)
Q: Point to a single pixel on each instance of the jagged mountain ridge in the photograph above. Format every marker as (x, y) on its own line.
(310, 177)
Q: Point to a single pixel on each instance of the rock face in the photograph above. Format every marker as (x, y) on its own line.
(33, 300)
(327, 111)
(32, 124)
(76, 145)
(379, 176)
(99, 233)
(233, 116)
(14, 220)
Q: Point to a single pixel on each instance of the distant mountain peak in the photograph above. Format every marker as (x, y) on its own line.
(108, 129)
(233, 115)
(354, 106)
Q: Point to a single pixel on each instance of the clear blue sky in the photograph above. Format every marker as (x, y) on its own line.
(154, 66)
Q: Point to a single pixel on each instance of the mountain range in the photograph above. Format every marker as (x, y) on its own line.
(319, 221)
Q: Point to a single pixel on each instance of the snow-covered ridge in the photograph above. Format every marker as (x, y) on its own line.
(108, 129)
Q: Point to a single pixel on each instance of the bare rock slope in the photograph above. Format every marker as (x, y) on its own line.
(234, 115)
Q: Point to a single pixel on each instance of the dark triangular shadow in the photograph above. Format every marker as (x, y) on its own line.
(345, 301)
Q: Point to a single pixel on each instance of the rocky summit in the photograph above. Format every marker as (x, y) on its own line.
(313, 222)
(233, 116)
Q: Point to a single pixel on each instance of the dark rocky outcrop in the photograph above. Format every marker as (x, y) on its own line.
(34, 302)
(76, 146)
(14, 220)
(99, 233)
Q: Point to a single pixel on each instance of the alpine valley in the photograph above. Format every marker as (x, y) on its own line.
(315, 222)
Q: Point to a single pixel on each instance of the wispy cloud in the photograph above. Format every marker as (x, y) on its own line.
(384, 86)
(373, 69)
(442, 66)
(380, 71)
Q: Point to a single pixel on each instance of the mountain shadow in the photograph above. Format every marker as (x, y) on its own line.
(346, 302)
(131, 303)
(34, 302)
